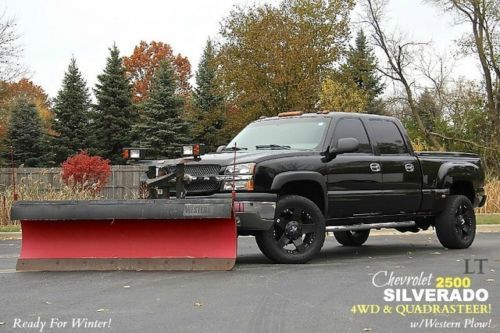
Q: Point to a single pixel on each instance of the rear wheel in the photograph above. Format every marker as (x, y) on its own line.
(298, 232)
(352, 238)
(456, 224)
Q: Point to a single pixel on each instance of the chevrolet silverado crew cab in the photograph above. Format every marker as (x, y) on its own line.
(298, 175)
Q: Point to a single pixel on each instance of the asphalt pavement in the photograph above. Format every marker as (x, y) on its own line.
(257, 296)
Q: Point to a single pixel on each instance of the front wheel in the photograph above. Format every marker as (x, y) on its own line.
(456, 224)
(298, 232)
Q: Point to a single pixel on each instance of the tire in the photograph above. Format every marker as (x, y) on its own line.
(456, 224)
(298, 232)
(352, 238)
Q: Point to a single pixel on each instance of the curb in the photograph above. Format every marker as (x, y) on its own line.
(10, 235)
(483, 228)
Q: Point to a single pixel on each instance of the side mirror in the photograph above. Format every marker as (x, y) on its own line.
(220, 149)
(346, 145)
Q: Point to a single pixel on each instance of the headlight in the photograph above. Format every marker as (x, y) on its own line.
(243, 177)
(240, 169)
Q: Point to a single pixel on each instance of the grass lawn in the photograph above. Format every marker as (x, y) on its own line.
(481, 219)
(10, 228)
(488, 219)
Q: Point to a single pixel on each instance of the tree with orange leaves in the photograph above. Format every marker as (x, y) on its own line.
(11, 91)
(145, 60)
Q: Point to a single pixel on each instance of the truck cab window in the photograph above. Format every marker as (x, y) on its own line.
(388, 138)
(353, 128)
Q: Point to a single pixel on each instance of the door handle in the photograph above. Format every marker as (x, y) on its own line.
(409, 167)
(375, 167)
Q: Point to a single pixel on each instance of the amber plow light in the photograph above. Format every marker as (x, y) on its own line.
(290, 114)
(195, 150)
(134, 153)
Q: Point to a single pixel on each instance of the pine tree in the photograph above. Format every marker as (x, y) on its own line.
(162, 128)
(25, 134)
(206, 100)
(361, 68)
(114, 114)
(71, 115)
(429, 109)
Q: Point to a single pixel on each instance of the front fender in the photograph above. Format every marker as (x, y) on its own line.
(294, 176)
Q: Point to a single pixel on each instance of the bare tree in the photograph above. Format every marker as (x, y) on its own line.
(484, 40)
(400, 59)
(10, 50)
(436, 69)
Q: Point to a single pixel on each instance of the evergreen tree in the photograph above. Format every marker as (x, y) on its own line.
(114, 114)
(71, 115)
(162, 128)
(206, 100)
(25, 134)
(361, 68)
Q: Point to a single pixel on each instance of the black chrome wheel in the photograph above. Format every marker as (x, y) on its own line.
(297, 234)
(294, 230)
(464, 221)
(456, 224)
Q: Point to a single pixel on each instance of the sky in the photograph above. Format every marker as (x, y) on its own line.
(54, 30)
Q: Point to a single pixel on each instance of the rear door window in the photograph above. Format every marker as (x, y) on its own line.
(353, 128)
(388, 138)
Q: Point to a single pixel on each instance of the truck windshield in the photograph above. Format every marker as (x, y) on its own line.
(280, 134)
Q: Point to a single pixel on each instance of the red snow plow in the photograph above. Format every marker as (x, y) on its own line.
(171, 234)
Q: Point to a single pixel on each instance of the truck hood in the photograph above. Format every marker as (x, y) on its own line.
(228, 158)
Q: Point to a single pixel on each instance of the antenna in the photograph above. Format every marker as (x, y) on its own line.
(233, 193)
(12, 169)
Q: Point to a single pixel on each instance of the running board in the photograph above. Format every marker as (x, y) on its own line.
(367, 226)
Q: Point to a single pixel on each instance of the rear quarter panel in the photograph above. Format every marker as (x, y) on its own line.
(441, 170)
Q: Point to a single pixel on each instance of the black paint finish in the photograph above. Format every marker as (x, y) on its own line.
(362, 186)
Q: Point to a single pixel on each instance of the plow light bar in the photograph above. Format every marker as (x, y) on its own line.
(194, 150)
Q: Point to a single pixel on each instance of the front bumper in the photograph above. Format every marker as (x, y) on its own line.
(254, 211)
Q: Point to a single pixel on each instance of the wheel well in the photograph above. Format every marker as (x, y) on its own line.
(463, 188)
(308, 189)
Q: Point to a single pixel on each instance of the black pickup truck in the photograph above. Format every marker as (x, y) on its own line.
(299, 175)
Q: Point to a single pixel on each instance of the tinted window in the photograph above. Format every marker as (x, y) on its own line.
(352, 128)
(387, 137)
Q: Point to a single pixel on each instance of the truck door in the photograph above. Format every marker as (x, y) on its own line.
(354, 180)
(401, 174)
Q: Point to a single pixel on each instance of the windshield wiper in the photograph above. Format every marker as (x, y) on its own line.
(272, 146)
(233, 148)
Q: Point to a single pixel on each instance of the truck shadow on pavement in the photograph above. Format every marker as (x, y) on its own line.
(334, 253)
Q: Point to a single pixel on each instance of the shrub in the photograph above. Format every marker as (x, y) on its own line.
(86, 172)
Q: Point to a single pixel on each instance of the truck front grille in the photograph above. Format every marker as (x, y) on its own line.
(201, 170)
(202, 186)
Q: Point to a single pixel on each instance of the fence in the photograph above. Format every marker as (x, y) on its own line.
(123, 183)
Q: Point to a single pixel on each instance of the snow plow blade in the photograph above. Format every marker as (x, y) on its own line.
(169, 234)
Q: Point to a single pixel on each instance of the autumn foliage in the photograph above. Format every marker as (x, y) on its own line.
(144, 62)
(86, 172)
(10, 91)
